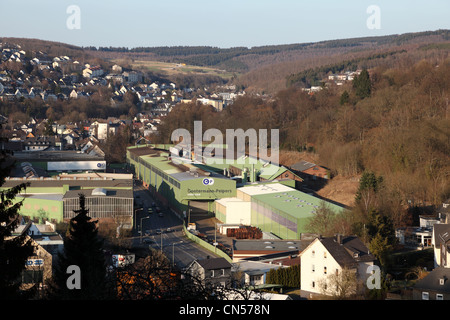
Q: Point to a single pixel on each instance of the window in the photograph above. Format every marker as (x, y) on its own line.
(324, 270)
(313, 284)
(32, 276)
(439, 296)
(313, 253)
(324, 254)
(313, 269)
(425, 296)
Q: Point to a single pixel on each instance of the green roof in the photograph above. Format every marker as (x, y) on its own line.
(295, 203)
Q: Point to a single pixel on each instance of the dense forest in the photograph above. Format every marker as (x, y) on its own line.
(214, 56)
(395, 122)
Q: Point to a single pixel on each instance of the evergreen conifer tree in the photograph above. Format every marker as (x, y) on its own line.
(14, 251)
(83, 249)
(362, 85)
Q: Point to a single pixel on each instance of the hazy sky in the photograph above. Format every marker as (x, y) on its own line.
(231, 23)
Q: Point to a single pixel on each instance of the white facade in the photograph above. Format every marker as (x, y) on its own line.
(317, 264)
(76, 165)
(237, 211)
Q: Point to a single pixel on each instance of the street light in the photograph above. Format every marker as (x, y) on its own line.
(173, 251)
(135, 214)
(141, 225)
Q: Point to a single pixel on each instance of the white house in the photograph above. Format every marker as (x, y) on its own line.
(441, 244)
(329, 256)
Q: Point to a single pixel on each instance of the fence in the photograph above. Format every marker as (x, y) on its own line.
(206, 245)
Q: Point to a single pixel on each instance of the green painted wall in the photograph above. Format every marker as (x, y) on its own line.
(41, 208)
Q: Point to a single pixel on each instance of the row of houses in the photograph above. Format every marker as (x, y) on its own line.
(326, 261)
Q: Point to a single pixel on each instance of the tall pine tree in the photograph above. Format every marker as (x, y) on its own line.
(362, 85)
(83, 249)
(14, 251)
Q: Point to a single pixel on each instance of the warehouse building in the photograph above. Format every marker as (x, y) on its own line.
(54, 162)
(237, 192)
(102, 203)
(182, 186)
(49, 198)
(275, 208)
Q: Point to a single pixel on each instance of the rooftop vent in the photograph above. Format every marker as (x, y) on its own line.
(99, 192)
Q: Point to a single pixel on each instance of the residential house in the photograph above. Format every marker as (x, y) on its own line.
(443, 211)
(308, 170)
(92, 72)
(214, 272)
(332, 256)
(99, 130)
(254, 273)
(38, 268)
(441, 243)
(38, 144)
(435, 286)
(132, 76)
(44, 235)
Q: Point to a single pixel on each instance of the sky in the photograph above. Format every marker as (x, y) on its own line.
(224, 24)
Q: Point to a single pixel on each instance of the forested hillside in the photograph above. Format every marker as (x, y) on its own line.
(268, 69)
(400, 129)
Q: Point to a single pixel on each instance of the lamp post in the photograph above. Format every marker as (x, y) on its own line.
(173, 251)
(141, 225)
(135, 214)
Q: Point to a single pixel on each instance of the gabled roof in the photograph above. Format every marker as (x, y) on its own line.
(302, 165)
(347, 252)
(214, 264)
(436, 280)
(441, 232)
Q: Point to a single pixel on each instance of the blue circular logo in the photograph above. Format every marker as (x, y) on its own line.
(208, 181)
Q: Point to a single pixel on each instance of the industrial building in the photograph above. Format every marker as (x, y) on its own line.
(54, 162)
(275, 208)
(182, 186)
(54, 198)
(235, 192)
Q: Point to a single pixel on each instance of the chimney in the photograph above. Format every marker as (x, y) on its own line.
(339, 238)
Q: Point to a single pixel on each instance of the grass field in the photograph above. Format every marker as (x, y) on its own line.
(170, 69)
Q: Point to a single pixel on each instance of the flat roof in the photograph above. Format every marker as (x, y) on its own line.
(268, 188)
(179, 169)
(224, 201)
(296, 203)
(269, 245)
(59, 155)
(85, 182)
(43, 196)
(110, 193)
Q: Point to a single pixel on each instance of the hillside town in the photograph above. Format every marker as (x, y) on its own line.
(46, 79)
(30, 75)
(238, 229)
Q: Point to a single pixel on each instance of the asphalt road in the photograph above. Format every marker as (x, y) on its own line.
(164, 231)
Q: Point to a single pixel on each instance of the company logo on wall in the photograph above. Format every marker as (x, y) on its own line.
(100, 165)
(208, 181)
